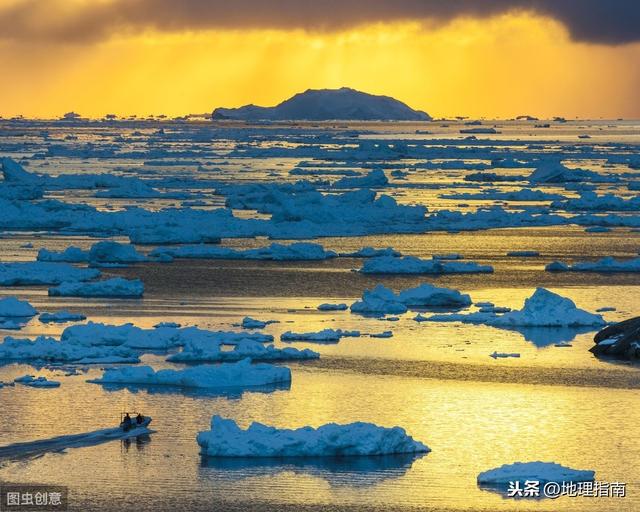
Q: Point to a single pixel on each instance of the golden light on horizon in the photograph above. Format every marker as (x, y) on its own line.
(499, 67)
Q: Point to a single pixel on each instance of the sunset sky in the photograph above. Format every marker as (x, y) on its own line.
(492, 58)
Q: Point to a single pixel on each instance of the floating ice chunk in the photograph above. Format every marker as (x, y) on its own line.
(61, 316)
(380, 300)
(479, 130)
(553, 171)
(427, 295)
(71, 254)
(374, 179)
(158, 338)
(324, 336)
(37, 382)
(114, 252)
(493, 194)
(370, 252)
(252, 323)
(607, 264)
(384, 334)
(14, 173)
(545, 308)
(542, 472)
(206, 350)
(48, 349)
(497, 355)
(106, 251)
(523, 254)
(413, 265)
(227, 439)
(542, 309)
(116, 287)
(12, 307)
(43, 273)
(279, 252)
(590, 201)
(225, 375)
(450, 256)
(173, 325)
(326, 306)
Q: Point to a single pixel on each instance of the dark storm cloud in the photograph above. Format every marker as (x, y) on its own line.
(597, 21)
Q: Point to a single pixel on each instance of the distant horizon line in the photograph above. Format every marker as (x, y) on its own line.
(207, 117)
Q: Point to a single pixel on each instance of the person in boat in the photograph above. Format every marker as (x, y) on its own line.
(139, 419)
(126, 422)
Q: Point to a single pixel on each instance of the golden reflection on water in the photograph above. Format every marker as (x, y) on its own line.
(470, 426)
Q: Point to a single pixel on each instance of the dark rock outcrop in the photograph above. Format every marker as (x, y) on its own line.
(621, 340)
(325, 105)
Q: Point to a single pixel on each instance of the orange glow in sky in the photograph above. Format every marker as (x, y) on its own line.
(503, 66)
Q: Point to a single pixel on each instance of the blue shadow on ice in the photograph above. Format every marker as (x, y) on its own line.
(354, 471)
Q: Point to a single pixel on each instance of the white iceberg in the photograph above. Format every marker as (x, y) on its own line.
(12, 307)
(542, 472)
(371, 252)
(225, 375)
(277, 252)
(43, 273)
(324, 336)
(61, 316)
(326, 306)
(428, 295)
(158, 338)
(71, 254)
(414, 265)
(543, 309)
(380, 300)
(116, 287)
(200, 350)
(44, 349)
(607, 264)
(37, 382)
(252, 323)
(114, 252)
(227, 439)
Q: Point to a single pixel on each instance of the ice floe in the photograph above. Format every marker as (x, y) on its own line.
(252, 323)
(324, 336)
(227, 439)
(44, 349)
(225, 375)
(12, 307)
(326, 306)
(607, 264)
(200, 350)
(279, 252)
(116, 287)
(61, 316)
(43, 273)
(542, 472)
(37, 382)
(414, 265)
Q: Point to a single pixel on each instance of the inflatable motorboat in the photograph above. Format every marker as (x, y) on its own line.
(136, 420)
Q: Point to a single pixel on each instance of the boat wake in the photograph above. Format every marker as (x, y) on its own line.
(61, 443)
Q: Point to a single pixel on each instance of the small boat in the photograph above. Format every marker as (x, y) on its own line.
(137, 421)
